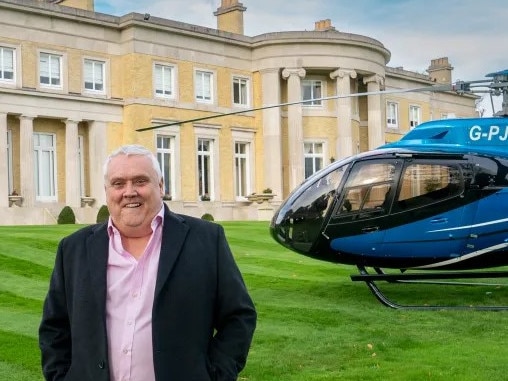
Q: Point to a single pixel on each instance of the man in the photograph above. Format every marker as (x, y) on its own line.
(149, 295)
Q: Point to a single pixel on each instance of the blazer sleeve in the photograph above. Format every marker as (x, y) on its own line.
(235, 317)
(54, 330)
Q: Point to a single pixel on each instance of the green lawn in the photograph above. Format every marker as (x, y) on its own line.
(314, 322)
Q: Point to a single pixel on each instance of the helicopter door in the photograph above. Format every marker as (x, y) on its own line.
(359, 220)
(488, 231)
(430, 218)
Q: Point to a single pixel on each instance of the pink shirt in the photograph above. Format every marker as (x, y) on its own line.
(130, 295)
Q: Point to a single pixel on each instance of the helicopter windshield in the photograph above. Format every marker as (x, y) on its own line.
(298, 222)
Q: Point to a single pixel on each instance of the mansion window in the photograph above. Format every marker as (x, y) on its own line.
(7, 64)
(203, 85)
(45, 166)
(205, 169)
(164, 81)
(392, 111)
(240, 91)
(166, 159)
(50, 70)
(313, 157)
(94, 73)
(312, 89)
(414, 116)
(242, 169)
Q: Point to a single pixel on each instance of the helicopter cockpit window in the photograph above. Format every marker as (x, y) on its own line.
(316, 200)
(367, 189)
(424, 184)
(491, 172)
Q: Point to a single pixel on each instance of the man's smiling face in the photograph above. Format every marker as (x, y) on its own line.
(133, 194)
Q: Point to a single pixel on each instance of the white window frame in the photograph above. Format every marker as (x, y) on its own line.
(242, 83)
(6, 65)
(50, 69)
(241, 136)
(205, 186)
(210, 133)
(98, 66)
(167, 154)
(51, 177)
(166, 86)
(314, 156)
(310, 83)
(204, 78)
(10, 180)
(392, 114)
(241, 175)
(415, 116)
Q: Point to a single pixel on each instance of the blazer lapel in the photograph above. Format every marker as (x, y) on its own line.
(97, 251)
(174, 232)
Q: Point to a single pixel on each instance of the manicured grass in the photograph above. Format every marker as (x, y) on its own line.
(314, 322)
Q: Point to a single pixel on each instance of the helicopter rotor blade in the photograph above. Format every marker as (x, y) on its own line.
(433, 88)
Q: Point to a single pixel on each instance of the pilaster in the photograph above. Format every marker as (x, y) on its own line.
(375, 126)
(295, 164)
(272, 136)
(97, 152)
(72, 180)
(4, 170)
(26, 148)
(344, 143)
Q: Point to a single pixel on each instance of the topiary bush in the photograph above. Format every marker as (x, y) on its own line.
(102, 214)
(66, 216)
(207, 216)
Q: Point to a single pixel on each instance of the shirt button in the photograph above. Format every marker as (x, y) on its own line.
(101, 364)
(134, 294)
(125, 351)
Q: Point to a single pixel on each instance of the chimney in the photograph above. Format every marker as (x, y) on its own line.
(323, 25)
(230, 16)
(440, 70)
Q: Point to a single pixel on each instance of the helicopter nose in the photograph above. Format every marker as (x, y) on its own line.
(283, 229)
(298, 222)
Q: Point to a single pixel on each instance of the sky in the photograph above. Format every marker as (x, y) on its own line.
(471, 33)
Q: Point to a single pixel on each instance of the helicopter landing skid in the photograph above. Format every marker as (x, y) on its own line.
(427, 278)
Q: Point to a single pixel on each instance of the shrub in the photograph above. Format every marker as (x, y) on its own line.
(207, 216)
(66, 216)
(103, 214)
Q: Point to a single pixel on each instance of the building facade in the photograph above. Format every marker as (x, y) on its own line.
(76, 84)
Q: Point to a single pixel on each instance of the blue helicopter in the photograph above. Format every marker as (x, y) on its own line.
(435, 200)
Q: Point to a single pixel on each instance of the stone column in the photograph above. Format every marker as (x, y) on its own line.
(375, 125)
(97, 152)
(4, 170)
(344, 144)
(295, 127)
(26, 153)
(272, 137)
(72, 169)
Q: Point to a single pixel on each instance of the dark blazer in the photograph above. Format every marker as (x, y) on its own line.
(203, 319)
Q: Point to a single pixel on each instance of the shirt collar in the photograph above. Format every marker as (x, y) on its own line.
(157, 221)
